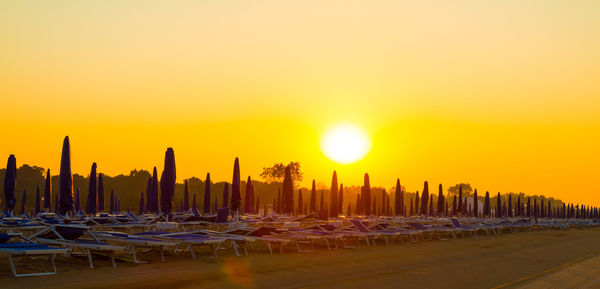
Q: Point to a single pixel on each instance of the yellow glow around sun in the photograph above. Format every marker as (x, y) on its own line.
(345, 143)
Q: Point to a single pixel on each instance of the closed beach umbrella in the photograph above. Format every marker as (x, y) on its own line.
(236, 197)
(440, 201)
(216, 202)
(322, 204)
(486, 206)
(287, 192)
(366, 195)
(101, 201)
(77, 201)
(37, 200)
(498, 207)
(313, 198)
(397, 196)
(475, 205)
(48, 192)
(111, 206)
(186, 197)
(167, 182)
(460, 200)
(225, 197)
(91, 206)
(206, 208)
(10, 184)
(248, 197)
(510, 208)
(155, 207)
(56, 199)
(340, 199)
(300, 202)
(23, 203)
(148, 195)
(141, 206)
(425, 198)
(333, 194)
(65, 184)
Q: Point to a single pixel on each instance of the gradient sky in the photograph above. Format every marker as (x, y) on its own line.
(504, 94)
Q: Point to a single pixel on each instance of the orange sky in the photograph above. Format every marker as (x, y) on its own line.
(501, 94)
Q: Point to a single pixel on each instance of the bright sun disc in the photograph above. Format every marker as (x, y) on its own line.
(345, 144)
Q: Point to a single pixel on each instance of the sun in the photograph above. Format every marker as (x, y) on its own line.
(345, 143)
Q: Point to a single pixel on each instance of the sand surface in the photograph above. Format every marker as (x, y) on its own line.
(563, 259)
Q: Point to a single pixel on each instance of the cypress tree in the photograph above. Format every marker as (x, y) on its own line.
(486, 205)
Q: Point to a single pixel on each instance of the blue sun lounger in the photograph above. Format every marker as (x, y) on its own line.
(27, 248)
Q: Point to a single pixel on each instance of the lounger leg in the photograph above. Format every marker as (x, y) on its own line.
(270, 249)
(112, 258)
(235, 248)
(162, 255)
(215, 249)
(90, 258)
(51, 258)
(192, 251)
(12, 265)
(133, 253)
(327, 242)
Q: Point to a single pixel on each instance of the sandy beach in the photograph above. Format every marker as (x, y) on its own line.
(541, 259)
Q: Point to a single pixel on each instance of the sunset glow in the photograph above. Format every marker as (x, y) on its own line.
(500, 94)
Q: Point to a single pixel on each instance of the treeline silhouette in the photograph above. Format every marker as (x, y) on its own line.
(127, 189)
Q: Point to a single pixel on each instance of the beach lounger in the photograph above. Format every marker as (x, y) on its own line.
(27, 248)
(432, 231)
(189, 240)
(464, 228)
(134, 243)
(70, 236)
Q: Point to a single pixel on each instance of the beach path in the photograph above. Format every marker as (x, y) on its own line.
(506, 261)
